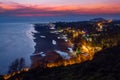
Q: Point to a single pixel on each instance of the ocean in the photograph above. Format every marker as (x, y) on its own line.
(16, 41)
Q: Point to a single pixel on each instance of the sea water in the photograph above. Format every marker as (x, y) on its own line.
(16, 41)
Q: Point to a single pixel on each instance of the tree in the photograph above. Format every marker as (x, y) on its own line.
(21, 63)
(16, 65)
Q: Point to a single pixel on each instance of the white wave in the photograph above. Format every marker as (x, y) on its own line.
(31, 31)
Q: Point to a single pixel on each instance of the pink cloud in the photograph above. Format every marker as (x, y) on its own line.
(14, 9)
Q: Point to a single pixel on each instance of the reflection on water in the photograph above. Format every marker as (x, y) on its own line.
(15, 43)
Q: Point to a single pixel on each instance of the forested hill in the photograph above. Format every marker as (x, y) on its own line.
(104, 66)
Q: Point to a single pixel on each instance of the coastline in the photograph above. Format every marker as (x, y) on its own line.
(48, 44)
(14, 44)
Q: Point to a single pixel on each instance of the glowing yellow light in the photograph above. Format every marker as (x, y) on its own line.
(85, 49)
(6, 76)
(26, 69)
(99, 24)
(110, 20)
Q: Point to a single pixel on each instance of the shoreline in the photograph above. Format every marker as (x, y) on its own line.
(49, 45)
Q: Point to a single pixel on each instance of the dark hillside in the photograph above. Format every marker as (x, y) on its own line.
(104, 66)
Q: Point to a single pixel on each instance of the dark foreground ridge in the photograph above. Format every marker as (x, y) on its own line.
(104, 66)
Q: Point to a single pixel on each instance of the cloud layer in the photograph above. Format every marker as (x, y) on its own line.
(15, 9)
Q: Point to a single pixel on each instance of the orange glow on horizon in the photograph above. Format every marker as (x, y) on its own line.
(64, 9)
(36, 15)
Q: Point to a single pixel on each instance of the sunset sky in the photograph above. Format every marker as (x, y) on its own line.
(43, 8)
